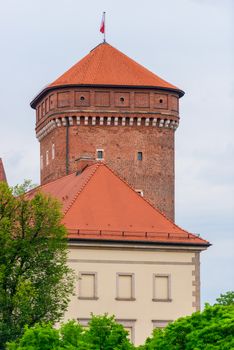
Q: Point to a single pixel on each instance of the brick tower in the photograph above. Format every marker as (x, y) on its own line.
(112, 109)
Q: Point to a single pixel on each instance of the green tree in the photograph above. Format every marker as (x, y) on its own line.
(35, 282)
(226, 298)
(212, 329)
(103, 333)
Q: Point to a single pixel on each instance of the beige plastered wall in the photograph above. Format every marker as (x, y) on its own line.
(181, 264)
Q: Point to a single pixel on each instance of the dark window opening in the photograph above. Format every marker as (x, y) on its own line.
(160, 101)
(121, 99)
(139, 156)
(82, 98)
(99, 154)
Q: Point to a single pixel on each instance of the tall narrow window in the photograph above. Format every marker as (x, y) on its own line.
(100, 154)
(125, 286)
(139, 156)
(41, 162)
(161, 287)
(47, 157)
(87, 288)
(53, 151)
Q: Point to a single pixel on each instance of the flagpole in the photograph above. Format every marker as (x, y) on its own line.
(104, 17)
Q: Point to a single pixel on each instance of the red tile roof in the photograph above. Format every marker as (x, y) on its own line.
(105, 65)
(2, 172)
(98, 205)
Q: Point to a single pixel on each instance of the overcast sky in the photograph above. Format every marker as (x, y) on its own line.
(187, 42)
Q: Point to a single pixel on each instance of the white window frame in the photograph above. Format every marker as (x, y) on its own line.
(168, 299)
(95, 296)
(130, 274)
(100, 150)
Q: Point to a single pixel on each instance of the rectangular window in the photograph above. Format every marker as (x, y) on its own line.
(125, 289)
(139, 156)
(160, 323)
(100, 154)
(53, 151)
(41, 163)
(161, 287)
(84, 322)
(47, 157)
(87, 288)
(129, 325)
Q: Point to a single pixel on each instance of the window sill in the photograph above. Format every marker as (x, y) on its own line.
(162, 300)
(125, 299)
(88, 298)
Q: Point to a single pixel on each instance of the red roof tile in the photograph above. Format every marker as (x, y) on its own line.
(105, 65)
(2, 172)
(97, 204)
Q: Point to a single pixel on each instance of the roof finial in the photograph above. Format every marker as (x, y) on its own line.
(103, 26)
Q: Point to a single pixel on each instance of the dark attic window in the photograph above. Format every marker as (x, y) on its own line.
(82, 98)
(160, 101)
(139, 156)
(122, 99)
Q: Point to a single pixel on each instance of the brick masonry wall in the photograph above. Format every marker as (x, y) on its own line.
(154, 174)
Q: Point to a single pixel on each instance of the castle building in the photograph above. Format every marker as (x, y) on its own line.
(106, 131)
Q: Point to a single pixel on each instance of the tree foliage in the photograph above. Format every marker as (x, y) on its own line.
(212, 329)
(226, 298)
(103, 333)
(35, 282)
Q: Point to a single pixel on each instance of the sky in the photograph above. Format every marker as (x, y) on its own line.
(188, 43)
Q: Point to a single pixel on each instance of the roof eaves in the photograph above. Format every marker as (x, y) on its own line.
(48, 88)
(161, 243)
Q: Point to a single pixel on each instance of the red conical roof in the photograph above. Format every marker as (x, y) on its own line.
(99, 205)
(107, 66)
(2, 172)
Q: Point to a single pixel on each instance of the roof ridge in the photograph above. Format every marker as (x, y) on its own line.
(82, 187)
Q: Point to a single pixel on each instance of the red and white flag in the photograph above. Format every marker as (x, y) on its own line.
(102, 26)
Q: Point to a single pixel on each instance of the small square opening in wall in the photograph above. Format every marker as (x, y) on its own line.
(100, 154)
(139, 156)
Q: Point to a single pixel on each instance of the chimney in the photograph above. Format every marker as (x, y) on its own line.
(83, 162)
(2, 172)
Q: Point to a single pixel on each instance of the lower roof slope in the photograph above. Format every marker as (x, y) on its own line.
(99, 205)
